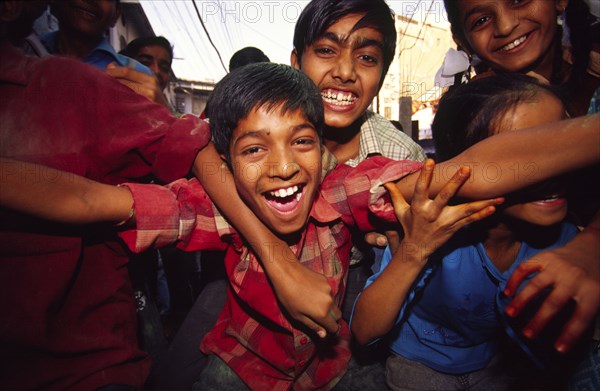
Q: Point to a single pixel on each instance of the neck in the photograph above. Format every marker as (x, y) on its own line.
(505, 234)
(501, 245)
(75, 44)
(343, 143)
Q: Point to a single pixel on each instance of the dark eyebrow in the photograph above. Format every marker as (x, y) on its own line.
(474, 10)
(358, 44)
(257, 133)
(145, 57)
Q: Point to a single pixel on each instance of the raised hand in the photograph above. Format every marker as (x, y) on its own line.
(142, 83)
(429, 223)
(573, 274)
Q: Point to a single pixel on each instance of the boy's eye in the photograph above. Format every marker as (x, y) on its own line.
(324, 51)
(369, 59)
(304, 141)
(480, 22)
(251, 150)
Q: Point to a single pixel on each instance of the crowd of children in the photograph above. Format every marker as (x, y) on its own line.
(297, 171)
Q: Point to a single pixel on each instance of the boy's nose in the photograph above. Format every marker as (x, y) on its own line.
(506, 22)
(283, 166)
(344, 69)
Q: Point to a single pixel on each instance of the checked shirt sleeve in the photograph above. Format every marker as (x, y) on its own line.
(358, 193)
(180, 213)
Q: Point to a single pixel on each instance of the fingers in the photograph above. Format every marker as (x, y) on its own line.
(393, 238)
(516, 279)
(451, 187)
(567, 285)
(576, 326)
(474, 211)
(376, 239)
(396, 196)
(422, 186)
(328, 324)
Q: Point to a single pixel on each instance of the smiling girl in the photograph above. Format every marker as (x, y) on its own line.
(523, 36)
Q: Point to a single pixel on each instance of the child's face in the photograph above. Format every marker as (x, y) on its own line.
(276, 161)
(90, 18)
(512, 36)
(158, 60)
(346, 67)
(542, 204)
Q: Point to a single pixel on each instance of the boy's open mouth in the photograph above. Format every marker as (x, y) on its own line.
(286, 199)
(338, 98)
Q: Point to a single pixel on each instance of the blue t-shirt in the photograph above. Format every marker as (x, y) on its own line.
(100, 56)
(454, 313)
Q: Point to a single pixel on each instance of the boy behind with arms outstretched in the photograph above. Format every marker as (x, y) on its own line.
(268, 131)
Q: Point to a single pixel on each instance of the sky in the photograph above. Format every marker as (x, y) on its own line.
(234, 24)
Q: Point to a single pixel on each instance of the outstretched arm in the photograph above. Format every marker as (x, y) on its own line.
(573, 273)
(509, 161)
(427, 224)
(61, 196)
(305, 294)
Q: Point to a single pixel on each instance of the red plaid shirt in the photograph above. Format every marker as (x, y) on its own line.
(252, 335)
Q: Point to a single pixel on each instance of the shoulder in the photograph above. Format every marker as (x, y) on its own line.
(393, 143)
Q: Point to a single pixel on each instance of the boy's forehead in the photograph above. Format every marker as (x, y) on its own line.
(344, 30)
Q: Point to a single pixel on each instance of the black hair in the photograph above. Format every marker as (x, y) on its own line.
(318, 15)
(245, 56)
(133, 48)
(471, 112)
(456, 26)
(257, 85)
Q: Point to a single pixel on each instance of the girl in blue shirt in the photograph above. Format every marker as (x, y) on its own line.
(439, 305)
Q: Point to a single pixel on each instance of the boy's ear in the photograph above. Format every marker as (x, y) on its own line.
(463, 44)
(294, 60)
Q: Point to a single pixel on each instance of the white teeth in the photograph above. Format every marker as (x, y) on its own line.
(339, 98)
(282, 193)
(298, 196)
(515, 43)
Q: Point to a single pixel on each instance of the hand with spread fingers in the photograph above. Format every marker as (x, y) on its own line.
(572, 273)
(427, 224)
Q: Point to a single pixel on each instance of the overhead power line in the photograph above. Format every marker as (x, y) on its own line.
(208, 35)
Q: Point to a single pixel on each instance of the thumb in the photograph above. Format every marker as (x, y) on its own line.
(396, 196)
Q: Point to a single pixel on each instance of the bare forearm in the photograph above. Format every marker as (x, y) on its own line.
(379, 304)
(512, 160)
(60, 196)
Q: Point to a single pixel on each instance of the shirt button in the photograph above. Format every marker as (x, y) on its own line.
(303, 341)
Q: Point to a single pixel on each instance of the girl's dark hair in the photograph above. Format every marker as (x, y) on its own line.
(133, 48)
(260, 85)
(451, 7)
(319, 15)
(471, 112)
